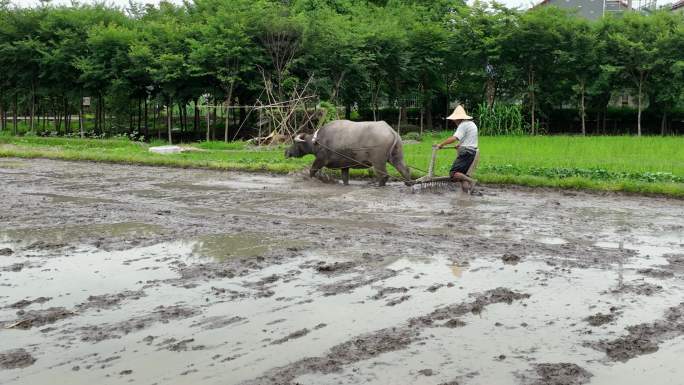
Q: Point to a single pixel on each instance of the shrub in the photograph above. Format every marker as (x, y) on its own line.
(500, 119)
(412, 136)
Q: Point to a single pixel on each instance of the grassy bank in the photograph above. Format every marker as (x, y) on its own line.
(653, 165)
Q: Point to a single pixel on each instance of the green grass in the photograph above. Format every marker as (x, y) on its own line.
(646, 165)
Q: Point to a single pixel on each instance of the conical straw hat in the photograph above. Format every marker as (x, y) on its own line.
(459, 114)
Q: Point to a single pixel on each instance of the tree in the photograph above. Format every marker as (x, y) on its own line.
(532, 45)
(223, 52)
(476, 61)
(668, 77)
(633, 49)
(579, 58)
(427, 44)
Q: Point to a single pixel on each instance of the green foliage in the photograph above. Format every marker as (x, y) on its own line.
(365, 55)
(500, 119)
(330, 112)
(412, 136)
(594, 174)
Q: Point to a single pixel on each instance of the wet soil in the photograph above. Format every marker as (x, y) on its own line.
(561, 374)
(112, 274)
(37, 318)
(645, 338)
(15, 358)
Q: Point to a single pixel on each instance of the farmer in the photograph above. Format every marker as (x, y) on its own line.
(466, 135)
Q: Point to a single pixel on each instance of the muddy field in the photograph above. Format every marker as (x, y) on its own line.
(115, 274)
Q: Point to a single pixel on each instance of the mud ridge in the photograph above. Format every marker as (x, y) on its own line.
(217, 322)
(37, 318)
(291, 336)
(385, 340)
(25, 302)
(599, 319)
(561, 374)
(107, 301)
(163, 314)
(349, 285)
(644, 338)
(640, 288)
(15, 358)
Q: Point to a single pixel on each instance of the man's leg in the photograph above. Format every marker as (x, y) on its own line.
(465, 180)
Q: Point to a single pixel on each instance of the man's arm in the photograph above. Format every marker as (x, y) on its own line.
(448, 140)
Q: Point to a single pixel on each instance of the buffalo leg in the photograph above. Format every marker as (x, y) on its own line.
(401, 167)
(315, 167)
(380, 171)
(397, 160)
(345, 176)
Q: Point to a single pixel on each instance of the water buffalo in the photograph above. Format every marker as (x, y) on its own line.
(344, 144)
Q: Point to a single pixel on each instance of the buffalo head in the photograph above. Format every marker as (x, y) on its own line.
(302, 144)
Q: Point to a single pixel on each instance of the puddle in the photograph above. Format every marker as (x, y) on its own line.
(225, 246)
(552, 240)
(67, 234)
(56, 198)
(190, 186)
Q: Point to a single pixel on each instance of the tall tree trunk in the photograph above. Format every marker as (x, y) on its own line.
(582, 110)
(155, 115)
(604, 116)
(490, 91)
(81, 127)
(139, 114)
(207, 115)
(145, 128)
(229, 99)
(226, 121)
(663, 124)
(55, 116)
(169, 118)
(2, 111)
(598, 122)
(448, 99)
(185, 115)
(16, 112)
(530, 84)
(421, 121)
(103, 113)
(214, 118)
(66, 115)
(96, 121)
(180, 116)
(130, 117)
(641, 80)
(376, 92)
(196, 116)
(33, 104)
(336, 90)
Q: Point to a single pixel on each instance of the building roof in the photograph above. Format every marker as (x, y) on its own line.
(677, 5)
(623, 3)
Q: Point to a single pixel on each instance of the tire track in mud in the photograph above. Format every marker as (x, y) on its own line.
(385, 340)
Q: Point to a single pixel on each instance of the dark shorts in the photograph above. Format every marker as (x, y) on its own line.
(463, 161)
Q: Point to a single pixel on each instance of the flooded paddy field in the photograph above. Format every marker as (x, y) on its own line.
(119, 274)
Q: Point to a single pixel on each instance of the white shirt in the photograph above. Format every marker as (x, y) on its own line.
(466, 133)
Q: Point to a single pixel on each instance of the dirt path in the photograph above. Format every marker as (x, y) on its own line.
(112, 274)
